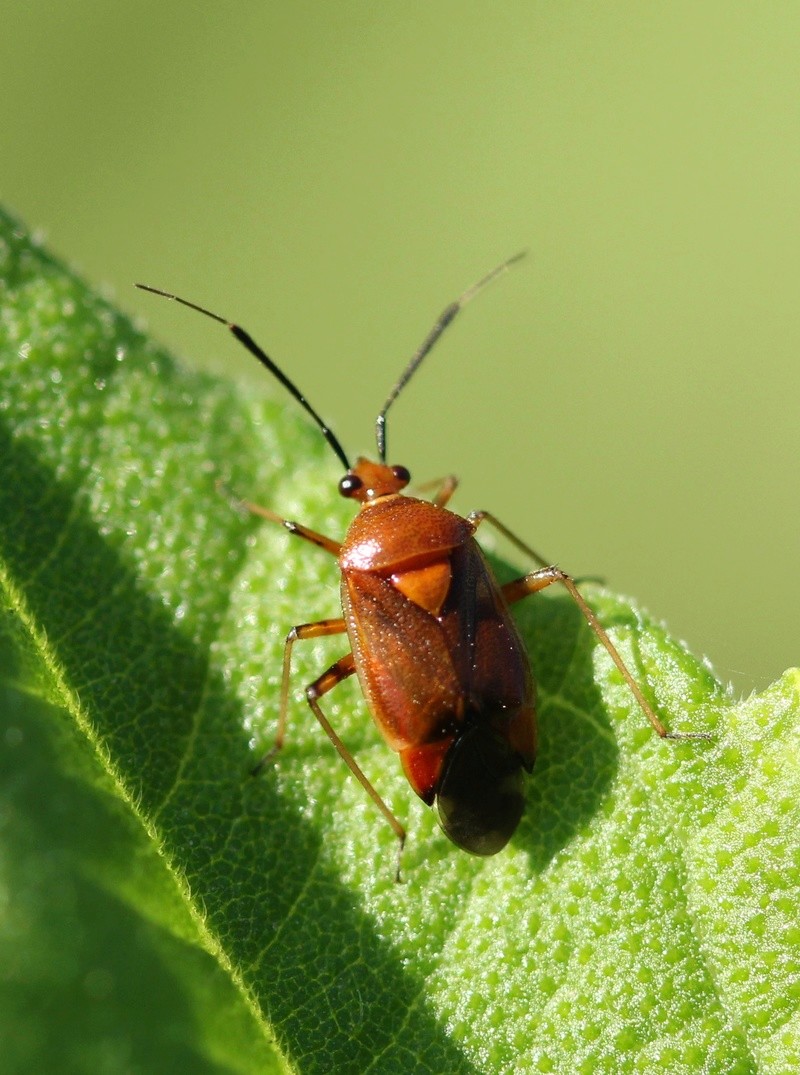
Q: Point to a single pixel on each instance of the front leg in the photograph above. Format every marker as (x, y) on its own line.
(320, 540)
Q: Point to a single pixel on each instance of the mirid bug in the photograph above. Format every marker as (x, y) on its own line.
(439, 659)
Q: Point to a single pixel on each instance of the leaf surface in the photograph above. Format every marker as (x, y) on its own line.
(643, 918)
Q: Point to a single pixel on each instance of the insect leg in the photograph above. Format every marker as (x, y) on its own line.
(538, 580)
(326, 682)
(300, 633)
(478, 517)
(445, 487)
(320, 540)
(546, 576)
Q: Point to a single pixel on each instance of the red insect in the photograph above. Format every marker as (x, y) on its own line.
(436, 651)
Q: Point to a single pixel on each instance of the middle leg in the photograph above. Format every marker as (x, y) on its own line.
(546, 576)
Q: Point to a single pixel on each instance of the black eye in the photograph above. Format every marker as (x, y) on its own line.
(350, 484)
(402, 474)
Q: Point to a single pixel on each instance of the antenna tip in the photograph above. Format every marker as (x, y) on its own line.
(506, 265)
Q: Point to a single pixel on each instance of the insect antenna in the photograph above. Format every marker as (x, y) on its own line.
(445, 318)
(247, 341)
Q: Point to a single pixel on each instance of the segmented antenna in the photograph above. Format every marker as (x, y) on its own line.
(446, 318)
(247, 340)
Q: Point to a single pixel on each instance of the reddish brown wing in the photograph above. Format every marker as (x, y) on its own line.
(489, 655)
(419, 672)
(403, 661)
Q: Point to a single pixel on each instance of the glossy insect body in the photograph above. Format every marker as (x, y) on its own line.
(439, 659)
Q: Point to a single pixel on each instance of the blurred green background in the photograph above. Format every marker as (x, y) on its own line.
(331, 175)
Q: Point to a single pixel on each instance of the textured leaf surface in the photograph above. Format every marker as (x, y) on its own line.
(644, 917)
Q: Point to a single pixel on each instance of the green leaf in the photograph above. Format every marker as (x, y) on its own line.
(643, 918)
